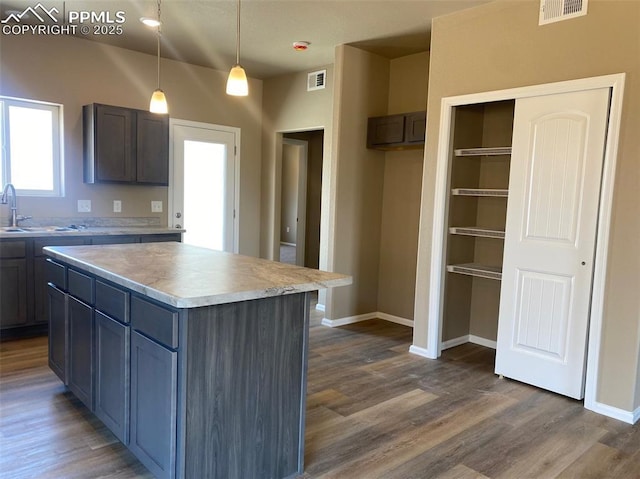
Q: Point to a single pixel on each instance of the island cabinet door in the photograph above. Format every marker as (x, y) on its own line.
(154, 380)
(112, 375)
(57, 332)
(81, 361)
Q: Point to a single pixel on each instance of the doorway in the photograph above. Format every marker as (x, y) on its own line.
(293, 201)
(203, 196)
(305, 196)
(615, 84)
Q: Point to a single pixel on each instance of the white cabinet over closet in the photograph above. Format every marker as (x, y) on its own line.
(554, 191)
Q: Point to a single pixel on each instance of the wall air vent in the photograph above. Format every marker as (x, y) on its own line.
(557, 10)
(317, 80)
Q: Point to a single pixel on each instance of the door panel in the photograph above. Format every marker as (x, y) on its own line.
(554, 189)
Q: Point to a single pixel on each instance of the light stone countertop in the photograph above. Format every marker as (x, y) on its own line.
(45, 231)
(187, 276)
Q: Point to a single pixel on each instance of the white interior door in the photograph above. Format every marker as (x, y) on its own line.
(204, 185)
(554, 190)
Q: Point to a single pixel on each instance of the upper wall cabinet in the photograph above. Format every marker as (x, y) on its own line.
(397, 132)
(123, 145)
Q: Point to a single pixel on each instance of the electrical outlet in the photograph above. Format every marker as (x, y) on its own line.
(156, 206)
(84, 206)
(117, 206)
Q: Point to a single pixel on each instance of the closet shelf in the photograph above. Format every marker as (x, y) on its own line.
(478, 270)
(479, 192)
(476, 231)
(496, 151)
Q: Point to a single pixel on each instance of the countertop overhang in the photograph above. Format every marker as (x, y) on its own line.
(186, 276)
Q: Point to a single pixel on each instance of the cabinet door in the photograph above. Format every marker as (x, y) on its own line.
(58, 332)
(385, 129)
(415, 126)
(13, 292)
(80, 317)
(112, 375)
(152, 148)
(153, 405)
(114, 147)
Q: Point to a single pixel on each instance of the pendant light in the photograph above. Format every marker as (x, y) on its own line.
(237, 84)
(158, 103)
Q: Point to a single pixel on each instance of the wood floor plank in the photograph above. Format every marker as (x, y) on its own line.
(461, 471)
(553, 455)
(416, 440)
(597, 462)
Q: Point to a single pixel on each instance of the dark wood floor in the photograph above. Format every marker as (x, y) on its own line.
(373, 411)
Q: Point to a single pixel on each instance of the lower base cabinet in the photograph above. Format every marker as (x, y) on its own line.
(81, 361)
(154, 384)
(112, 375)
(58, 332)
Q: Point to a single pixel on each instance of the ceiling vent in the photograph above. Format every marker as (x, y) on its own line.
(317, 80)
(557, 10)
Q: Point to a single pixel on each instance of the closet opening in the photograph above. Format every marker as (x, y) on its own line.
(477, 204)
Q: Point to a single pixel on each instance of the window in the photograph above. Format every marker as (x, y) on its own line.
(30, 142)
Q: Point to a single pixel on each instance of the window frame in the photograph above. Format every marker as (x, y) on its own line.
(57, 143)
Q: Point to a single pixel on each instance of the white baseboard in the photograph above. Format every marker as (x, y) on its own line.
(332, 323)
(452, 343)
(469, 338)
(630, 417)
(425, 353)
(287, 244)
(487, 343)
(395, 319)
(320, 307)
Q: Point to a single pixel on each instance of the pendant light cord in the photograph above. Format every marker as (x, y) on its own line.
(158, 41)
(238, 36)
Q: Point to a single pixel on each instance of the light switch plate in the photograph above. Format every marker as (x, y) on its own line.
(117, 206)
(156, 206)
(84, 206)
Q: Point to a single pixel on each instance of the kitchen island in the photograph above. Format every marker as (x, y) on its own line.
(195, 359)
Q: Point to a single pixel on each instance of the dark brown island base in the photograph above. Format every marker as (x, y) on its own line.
(195, 359)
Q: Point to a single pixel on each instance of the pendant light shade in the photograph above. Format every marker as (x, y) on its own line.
(158, 103)
(237, 84)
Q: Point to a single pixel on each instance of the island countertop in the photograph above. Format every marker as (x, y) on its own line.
(187, 276)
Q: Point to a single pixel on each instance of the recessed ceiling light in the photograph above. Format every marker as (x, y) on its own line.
(300, 46)
(150, 21)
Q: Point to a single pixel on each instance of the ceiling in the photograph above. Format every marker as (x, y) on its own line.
(204, 32)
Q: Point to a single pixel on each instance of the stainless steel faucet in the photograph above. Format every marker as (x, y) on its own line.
(13, 205)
